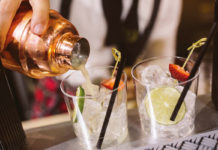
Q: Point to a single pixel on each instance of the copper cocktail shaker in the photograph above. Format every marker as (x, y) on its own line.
(59, 49)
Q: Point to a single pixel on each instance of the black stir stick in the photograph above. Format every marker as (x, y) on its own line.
(111, 103)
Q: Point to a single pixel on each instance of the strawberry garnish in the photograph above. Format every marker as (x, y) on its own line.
(109, 84)
(178, 72)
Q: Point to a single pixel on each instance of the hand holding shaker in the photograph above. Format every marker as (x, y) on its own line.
(59, 49)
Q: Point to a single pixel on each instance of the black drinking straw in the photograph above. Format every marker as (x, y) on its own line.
(197, 64)
(111, 103)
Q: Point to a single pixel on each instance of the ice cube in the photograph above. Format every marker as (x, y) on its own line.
(169, 81)
(189, 98)
(91, 89)
(155, 76)
(92, 114)
(105, 95)
(117, 127)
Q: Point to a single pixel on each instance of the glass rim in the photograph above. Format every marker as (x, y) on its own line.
(162, 57)
(90, 97)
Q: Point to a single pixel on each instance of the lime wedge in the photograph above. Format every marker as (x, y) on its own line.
(80, 93)
(163, 101)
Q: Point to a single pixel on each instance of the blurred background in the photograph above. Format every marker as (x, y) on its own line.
(140, 28)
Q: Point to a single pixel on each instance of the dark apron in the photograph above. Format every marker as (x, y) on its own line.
(12, 135)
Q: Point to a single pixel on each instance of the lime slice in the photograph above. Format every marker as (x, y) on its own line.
(163, 101)
(80, 93)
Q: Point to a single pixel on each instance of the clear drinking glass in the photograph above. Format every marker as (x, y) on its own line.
(157, 94)
(88, 123)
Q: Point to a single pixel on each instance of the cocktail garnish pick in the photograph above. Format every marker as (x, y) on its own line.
(109, 83)
(117, 57)
(195, 69)
(197, 44)
(180, 73)
(111, 102)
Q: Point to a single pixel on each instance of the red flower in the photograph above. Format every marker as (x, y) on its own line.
(47, 114)
(50, 84)
(39, 95)
(50, 102)
(63, 107)
(34, 116)
(36, 111)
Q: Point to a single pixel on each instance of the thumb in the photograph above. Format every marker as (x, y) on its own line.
(40, 16)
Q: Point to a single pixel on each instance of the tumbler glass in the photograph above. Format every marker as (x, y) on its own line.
(157, 94)
(87, 122)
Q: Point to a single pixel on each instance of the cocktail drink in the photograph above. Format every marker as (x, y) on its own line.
(157, 93)
(87, 94)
